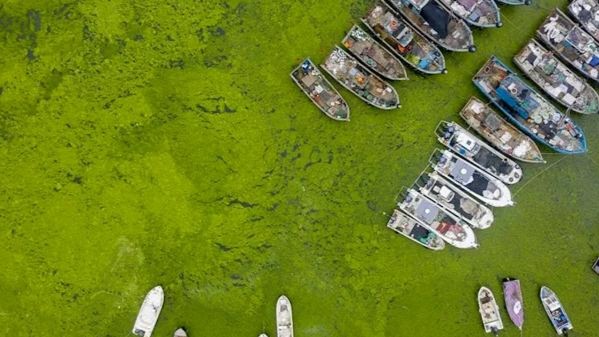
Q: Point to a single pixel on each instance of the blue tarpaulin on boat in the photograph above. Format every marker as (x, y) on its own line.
(507, 98)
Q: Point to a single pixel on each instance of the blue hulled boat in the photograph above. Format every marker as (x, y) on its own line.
(527, 109)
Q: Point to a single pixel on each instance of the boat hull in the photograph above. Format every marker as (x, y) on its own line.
(284, 317)
(149, 313)
(513, 301)
(491, 20)
(410, 228)
(579, 12)
(489, 311)
(555, 311)
(515, 2)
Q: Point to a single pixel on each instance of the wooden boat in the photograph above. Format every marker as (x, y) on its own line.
(557, 80)
(515, 2)
(403, 224)
(596, 266)
(489, 311)
(320, 91)
(284, 317)
(149, 312)
(479, 153)
(180, 333)
(437, 23)
(501, 134)
(481, 13)
(586, 13)
(571, 43)
(375, 56)
(363, 83)
(439, 221)
(555, 311)
(480, 184)
(528, 109)
(404, 40)
(513, 301)
(454, 200)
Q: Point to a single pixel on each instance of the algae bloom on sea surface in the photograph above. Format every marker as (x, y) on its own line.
(163, 142)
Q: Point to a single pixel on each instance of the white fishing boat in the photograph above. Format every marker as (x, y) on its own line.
(468, 176)
(180, 333)
(555, 311)
(489, 311)
(409, 227)
(149, 312)
(284, 317)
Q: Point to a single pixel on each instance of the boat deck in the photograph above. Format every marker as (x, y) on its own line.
(482, 13)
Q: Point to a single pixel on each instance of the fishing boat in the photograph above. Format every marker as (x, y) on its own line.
(284, 317)
(439, 221)
(586, 12)
(480, 13)
(320, 91)
(513, 301)
(263, 335)
(557, 80)
(528, 109)
(571, 43)
(489, 311)
(149, 312)
(555, 311)
(454, 200)
(596, 266)
(374, 55)
(403, 224)
(180, 333)
(437, 23)
(468, 176)
(404, 40)
(501, 134)
(356, 78)
(475, 150)
(515, 2)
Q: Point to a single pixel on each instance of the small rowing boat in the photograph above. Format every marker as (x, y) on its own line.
(435, 218)
(481, 13)
(284, 317)
(482, 185)
(501, 134)
(180, 333)
(586, 12)
(358, 79)
(571, 43)
(437, 23)
(513, 301)
(320, 91)
(489, 311)
(403, 224)
(557, 80)
(404, 40)
(555, 311)
(530, 111)
(475, 150)
(454, 200)
(149, 312)
(374, 55)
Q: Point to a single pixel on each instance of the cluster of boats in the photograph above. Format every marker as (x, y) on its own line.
(491, 317)
(152, 306)
(406, 30)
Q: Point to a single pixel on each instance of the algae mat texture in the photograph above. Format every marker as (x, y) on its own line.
(162, 142)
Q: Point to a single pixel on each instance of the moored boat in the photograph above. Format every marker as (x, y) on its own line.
(489, 311)
(320, 91)
(180, 333)
(358, 79)
(437, 23)
(513, 301)
(571, 43)
(404, 40)
(501, 134)
(284, 317)
(470, 177)
(435, 218)
(263, 335)
(454, 200)
(555, 311)
(586, 12)
(375, 56)
(481, 13)
(515, 2)
(149, 312)
(403, 224)
(557, 80)
(530, 111)
(478, 152)
(596, 266)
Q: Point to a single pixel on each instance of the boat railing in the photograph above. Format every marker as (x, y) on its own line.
(435, 156)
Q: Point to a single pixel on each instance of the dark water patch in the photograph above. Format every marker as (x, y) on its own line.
(214, 105)
(244, 204)
(51, 83)
(223, 247)
(216, 31)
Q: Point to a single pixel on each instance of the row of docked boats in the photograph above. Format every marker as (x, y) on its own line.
(153, 302)
(491, 317)
(405, 30)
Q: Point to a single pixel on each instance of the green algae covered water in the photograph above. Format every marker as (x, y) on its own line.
(162, 142)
